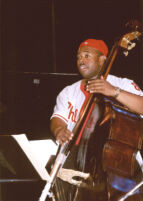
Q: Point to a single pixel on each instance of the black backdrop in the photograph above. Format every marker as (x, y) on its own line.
(39, 40)
(38, 35)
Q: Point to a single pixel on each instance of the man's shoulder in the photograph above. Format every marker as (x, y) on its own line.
(112, 77)
(115, 79)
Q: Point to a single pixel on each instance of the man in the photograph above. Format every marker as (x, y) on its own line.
(90, 59)
(91, 56)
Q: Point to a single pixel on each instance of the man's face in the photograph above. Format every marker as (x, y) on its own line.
(88, 62)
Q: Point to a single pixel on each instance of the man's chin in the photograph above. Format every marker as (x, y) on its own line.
(86, 76)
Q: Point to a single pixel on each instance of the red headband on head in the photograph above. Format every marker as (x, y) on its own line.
(98, 44)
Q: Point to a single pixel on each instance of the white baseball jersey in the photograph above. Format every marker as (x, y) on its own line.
(72, 98)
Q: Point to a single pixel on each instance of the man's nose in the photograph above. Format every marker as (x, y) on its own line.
(81, 61)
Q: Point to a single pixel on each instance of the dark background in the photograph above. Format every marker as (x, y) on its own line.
(39, 40)
(38, 45)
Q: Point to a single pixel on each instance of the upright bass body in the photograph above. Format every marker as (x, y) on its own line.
(124, 141)
(108, 150)
(122, 154)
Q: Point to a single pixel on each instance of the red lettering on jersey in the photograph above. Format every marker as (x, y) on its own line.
(72, 114)
(136, 86)
(69, 105)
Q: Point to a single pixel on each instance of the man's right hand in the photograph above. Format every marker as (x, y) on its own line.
(60, 131)
(63, 135)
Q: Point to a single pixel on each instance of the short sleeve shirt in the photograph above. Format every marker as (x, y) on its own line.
(70, 101)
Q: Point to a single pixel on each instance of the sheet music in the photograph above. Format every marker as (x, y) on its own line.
(43, 149)
(38, 152)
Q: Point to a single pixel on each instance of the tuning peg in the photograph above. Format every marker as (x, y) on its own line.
(131, 45)
(126, 53)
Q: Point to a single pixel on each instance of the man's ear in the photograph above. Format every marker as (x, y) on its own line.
(102, 59)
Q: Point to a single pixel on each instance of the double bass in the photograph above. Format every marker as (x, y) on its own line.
(90, 159)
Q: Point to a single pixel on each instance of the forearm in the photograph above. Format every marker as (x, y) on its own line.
(56, 125)
(131, 101)
(59, 129)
